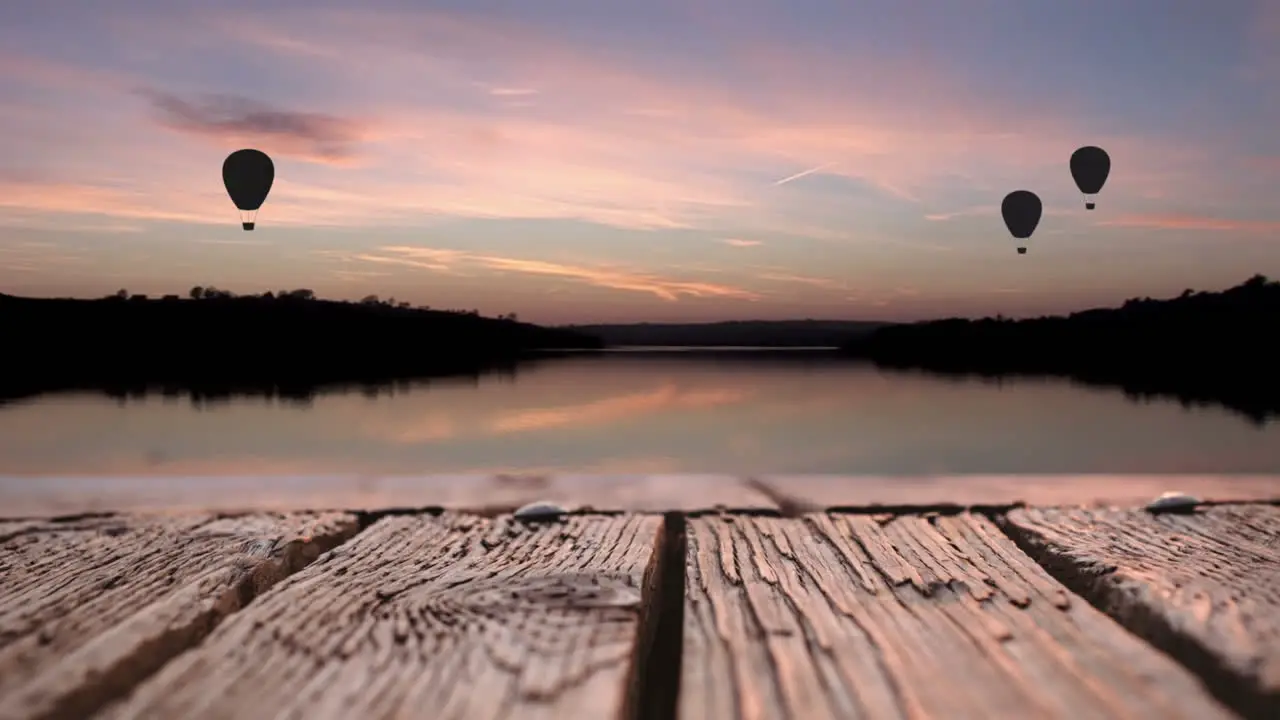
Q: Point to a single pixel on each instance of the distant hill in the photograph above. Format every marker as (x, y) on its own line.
(749, 333)
(221, 339)
(1197, 346)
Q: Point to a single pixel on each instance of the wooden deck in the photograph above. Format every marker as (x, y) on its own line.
(697, 597)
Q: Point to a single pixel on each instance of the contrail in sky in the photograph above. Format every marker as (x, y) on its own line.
(801, 174)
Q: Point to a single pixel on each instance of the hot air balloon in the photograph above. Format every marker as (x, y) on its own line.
(1021, 210)
(248, 175)
(1090, 167)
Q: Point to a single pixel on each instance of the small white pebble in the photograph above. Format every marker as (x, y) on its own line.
(540, 511)
(1173, 502)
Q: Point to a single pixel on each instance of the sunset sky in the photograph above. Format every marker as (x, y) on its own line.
(600, 160)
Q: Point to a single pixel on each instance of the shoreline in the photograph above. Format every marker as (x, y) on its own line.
(71, 494)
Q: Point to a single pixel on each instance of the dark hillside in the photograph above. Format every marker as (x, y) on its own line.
(1199, 345)
(293, 338)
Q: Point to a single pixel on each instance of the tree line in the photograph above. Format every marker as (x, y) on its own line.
(202, 292)
(1198, 346)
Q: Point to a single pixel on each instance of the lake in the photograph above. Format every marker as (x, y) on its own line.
(645, 413)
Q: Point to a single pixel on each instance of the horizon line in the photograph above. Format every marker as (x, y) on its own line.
(385, 301)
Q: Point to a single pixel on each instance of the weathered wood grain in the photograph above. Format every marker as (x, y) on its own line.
(88, 608)
(11, 528)
(1204, 587)
(52, 496)
(456, 616)
(823, 492)
(854, 616)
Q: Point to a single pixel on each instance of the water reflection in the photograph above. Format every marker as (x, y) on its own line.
(626, 413)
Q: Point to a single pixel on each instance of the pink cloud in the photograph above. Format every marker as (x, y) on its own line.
(233, 120)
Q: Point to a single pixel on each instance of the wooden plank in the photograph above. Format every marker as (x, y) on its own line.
(456, 616)
(45, 497)
(1203, 587)
(823, 492)
(91, 607)
(12, 528)
(854, 616)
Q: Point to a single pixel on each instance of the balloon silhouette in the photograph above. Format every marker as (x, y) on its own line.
(1021, 210)
(248, 175)
(1090, 167)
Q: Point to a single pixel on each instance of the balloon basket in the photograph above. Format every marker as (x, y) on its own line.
(1090, 206)
(247, 226)
(1022, 251)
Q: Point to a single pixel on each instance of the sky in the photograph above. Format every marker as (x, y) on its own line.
(609, 161)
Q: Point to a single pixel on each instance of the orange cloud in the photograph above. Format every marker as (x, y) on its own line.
(738, 242)
(78, 199)
(439, 260)
(1192, 222)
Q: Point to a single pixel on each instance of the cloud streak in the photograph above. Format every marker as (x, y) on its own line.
(450, 261)
(802, 174)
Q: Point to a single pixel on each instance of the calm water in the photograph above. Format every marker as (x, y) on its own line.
(625, 413)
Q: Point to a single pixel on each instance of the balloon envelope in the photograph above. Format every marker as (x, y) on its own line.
(248, 175)
(1021, 210)
(1090, 166)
